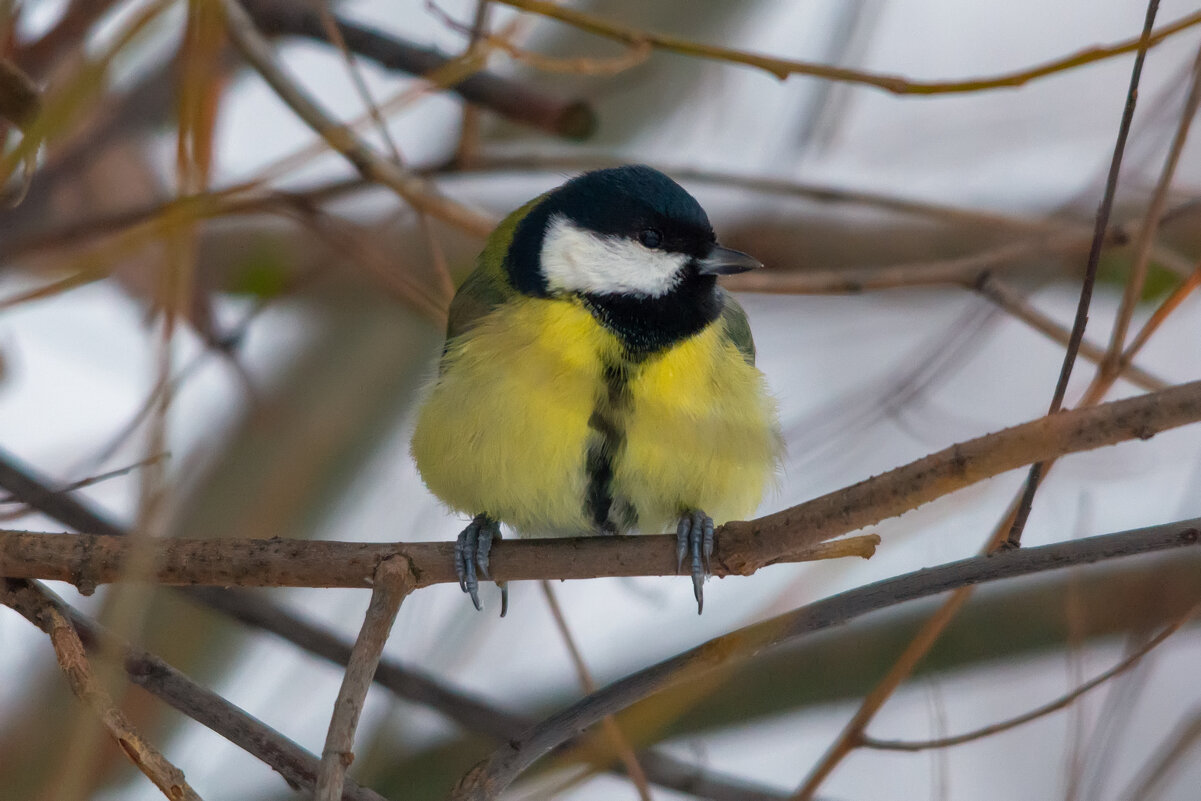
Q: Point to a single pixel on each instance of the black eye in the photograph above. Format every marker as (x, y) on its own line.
(650, 237)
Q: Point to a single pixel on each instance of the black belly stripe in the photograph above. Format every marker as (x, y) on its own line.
(604, 445)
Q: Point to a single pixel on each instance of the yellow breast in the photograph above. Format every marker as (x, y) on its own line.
(506, 430)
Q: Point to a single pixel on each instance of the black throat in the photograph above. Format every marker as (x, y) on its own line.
(646, 325)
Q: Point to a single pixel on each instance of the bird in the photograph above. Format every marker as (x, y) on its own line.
(596, 380)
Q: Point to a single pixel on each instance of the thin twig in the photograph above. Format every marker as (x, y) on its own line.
(31, 599)
(957, 270)
(99, 477)
(520, 102)
(621, 743)
(1034, 478)
(72, 658)
(932, 629)
(1012, 302)
(578, 65)
(1046, 709)
(1151, 221)
(490, 777)
(391, 585)
(783, 68)
(1014, 520)
(410, 187)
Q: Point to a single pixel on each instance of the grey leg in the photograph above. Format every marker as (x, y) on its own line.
(473, 550)
(694, 536)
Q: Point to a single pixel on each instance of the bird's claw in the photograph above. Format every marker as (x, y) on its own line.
(694, 535)
(473, 551)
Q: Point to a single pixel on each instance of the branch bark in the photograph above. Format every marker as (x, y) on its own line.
(88, 560)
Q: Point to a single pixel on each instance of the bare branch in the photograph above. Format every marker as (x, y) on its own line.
(74, 662)
(1034, 478)
(907, 487)
(31, 600)
(514, 100)
(412, 188)
(87, 560)
(490, 777)
(782, 68)
(391, 585)
(1143, 247)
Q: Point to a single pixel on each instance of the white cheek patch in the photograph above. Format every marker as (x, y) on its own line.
(578, 260)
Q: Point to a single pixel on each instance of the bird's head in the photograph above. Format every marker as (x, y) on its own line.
(633, 245)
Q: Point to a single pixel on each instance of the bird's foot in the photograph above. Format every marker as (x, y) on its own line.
(472, 552)
(694, 535)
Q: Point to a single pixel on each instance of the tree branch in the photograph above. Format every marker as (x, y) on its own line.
(256, 612)
(782, 68)
(415, 190)
(87, 560)
(1101, 226)
(743, 544)
(391, 585)
(33, 602)
(742, 547)
(514, 100)
(74, 662)
(490, 777)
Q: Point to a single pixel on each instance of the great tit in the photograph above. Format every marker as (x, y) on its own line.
(596, 380)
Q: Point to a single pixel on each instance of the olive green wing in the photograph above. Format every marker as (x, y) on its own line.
(484, 290)
(738, 328)
(488, 285)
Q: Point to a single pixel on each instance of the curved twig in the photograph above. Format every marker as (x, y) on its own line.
(1034, 714)
(782, 68)
(490, 777)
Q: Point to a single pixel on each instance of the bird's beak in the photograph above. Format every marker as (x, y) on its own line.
(724, 261)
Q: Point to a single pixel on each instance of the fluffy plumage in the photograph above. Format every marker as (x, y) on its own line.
(595, 379)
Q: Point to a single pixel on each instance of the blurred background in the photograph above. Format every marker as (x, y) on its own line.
(213, 322)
